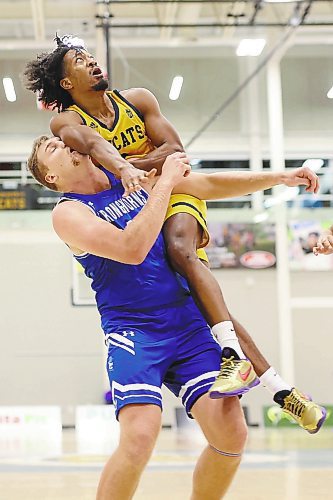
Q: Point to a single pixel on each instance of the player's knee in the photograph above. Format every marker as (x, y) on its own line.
(180, 254)
(140, 443)
(229, 432)
(232, 441)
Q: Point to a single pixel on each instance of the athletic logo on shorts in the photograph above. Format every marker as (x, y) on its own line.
(125, 333)
(110, 364)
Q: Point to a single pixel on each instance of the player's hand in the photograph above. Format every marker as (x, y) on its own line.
(324, 245)
(302, 176)
(176, 167)
(132, 178)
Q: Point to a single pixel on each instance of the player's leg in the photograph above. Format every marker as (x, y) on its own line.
(135, 372)
(139, 428)
(183, 235)
(222, 422)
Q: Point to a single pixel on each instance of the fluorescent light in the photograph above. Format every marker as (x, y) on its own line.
(286, 195)
(9, 89)
(330, 93)
(250, 47)
(260, 217)
(314, 163)
(176, 87)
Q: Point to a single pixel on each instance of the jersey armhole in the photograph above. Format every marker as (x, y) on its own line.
(135, 109)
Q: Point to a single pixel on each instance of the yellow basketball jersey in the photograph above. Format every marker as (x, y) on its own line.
(128, 132)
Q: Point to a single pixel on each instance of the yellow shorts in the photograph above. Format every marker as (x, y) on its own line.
(185, 203)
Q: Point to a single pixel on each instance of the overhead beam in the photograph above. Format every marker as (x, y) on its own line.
(38, 18)
(125, 2)
(217, 25)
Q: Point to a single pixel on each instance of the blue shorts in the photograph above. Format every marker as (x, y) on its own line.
(173, 345)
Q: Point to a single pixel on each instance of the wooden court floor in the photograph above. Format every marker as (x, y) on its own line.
(279, 464)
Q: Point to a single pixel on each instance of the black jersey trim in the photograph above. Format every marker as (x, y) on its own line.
(137, 111)
(103, 125)
(116, 113)
(189, 205)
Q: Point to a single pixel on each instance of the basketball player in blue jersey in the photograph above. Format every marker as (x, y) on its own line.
(153, 329)
(104, 124)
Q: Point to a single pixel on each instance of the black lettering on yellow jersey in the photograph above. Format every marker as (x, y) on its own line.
(139, 131)
(124, 139)
(130, 131)
(127, 133)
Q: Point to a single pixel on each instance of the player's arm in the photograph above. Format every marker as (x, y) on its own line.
(159, 130)
(231, 184)
(83, 231)
(325, 243)
(72, 131)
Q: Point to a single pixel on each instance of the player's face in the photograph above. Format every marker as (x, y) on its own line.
(82, 72)
(61, 161)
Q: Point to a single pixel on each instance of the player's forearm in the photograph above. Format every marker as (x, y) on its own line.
(144, 229)
(242, 183)
(88, 142)
(155, 158)
(107, 156)
(227, 184)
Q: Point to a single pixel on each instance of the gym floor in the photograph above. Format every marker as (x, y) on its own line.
(279, 464)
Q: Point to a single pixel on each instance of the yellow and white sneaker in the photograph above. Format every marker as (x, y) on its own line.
(236, 377)
(304, 411)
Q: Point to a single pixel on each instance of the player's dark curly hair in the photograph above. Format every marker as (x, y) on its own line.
(43, 75)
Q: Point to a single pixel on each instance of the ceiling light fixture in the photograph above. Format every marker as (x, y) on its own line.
(250, 47)
(9, 89)
(330, 93)
(176, 87)
(314, 163)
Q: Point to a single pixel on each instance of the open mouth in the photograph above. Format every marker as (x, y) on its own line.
(97, 71)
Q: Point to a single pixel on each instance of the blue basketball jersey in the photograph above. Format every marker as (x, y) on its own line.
(119, 287)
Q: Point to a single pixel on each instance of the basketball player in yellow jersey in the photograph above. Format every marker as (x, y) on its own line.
(114, 126)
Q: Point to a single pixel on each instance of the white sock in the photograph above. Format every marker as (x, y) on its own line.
(273, 382)
(226, 336)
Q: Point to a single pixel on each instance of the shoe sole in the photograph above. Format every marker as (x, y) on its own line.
(320, 422)
(238, 392)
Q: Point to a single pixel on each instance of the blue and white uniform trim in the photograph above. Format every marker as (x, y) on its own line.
(194, 388)
(135, 393)
(120, 341)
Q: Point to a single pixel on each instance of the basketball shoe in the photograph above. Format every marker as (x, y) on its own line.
(302, 409)
(236, 376)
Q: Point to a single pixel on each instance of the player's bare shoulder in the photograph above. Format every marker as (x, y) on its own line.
(68, 214)
(63, 119)
(140, 97)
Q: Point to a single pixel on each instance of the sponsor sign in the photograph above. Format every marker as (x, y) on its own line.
(13, 200)
(239, 245)
(96, 429)
(30, 418)
(257, 259)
